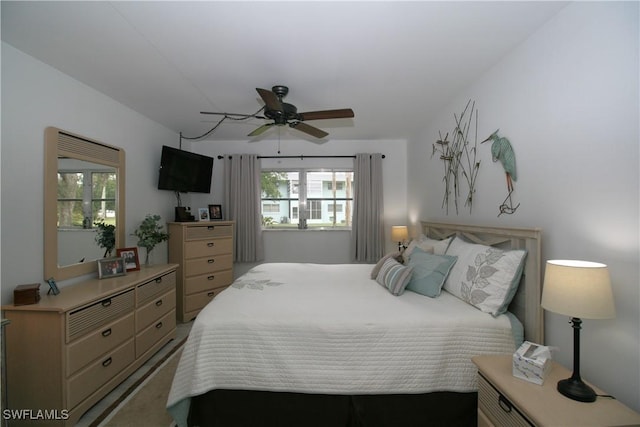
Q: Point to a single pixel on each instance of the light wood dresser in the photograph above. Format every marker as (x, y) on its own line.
(204, 252)
(68, 351)
(504, 400)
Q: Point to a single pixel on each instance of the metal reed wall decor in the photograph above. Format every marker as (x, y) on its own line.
(459, 157)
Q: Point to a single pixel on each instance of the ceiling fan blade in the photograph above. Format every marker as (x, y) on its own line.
(270, 99)
(313, 131)
(343, 113)
(261, 129)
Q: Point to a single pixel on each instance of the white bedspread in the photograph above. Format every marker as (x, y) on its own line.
(331, 329)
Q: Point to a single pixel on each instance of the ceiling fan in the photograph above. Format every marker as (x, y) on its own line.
(283, 113)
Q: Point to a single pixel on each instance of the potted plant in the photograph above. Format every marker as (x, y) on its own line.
(150, 233)
(106, 237)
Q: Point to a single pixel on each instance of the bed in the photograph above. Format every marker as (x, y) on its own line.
(327, 345)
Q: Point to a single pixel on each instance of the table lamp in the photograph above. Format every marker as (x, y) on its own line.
(399, 234)
(579, 289)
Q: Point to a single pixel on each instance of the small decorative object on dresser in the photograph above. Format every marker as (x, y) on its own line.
(111, 267)
(26, 294)
(150, 233)
(53, 287)
(203, 214)
(130, 256)
(215, 212)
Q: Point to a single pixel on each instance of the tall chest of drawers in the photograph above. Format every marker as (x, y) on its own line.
(204, 252)
(68, 351)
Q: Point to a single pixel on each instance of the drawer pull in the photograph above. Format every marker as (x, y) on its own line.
(159, 280)
(106, 332)
(505, 404)
(106, 303)
(210, 244)
(159, 325)
(211, 277)
(210, 294)
(107, 362)
(211, 261)
(158, 303)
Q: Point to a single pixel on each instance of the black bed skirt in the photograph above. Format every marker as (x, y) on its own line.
(240, 408)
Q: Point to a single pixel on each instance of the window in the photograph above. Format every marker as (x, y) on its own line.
(84, 197)
(307, 198)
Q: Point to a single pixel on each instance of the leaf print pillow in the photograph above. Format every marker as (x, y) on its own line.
(483, 276)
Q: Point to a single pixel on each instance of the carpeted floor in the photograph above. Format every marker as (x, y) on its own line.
(158, 372)
(145, 406)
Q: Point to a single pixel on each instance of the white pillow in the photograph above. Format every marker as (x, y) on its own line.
(432, 246)
(483, 276)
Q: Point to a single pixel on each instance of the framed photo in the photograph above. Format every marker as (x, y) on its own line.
(203, 214)
(130, 256)
(215, 212)
(53, 287)
(111, 267)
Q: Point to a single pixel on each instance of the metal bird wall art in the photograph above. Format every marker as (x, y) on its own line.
(501, 150)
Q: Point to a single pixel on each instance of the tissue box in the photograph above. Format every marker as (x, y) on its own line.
(532, 362)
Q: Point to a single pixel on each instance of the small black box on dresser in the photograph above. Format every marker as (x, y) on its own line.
(26, 294)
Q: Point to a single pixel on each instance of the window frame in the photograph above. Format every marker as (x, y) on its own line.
(302, 211)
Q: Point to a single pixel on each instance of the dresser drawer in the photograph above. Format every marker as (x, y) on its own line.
(497, 408)
(95, 375)
(98, 343)
(155, 309)
(211, 264)
(154, 333)
(195, 232)
(90, 317)
(198, 301)
(203, 248)
(208, 281)
(155, 287)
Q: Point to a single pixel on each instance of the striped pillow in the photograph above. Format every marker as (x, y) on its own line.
(394, 276)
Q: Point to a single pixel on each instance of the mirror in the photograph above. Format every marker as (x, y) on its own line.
(83, 183)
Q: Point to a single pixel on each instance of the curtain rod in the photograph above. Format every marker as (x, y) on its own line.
(302, 157)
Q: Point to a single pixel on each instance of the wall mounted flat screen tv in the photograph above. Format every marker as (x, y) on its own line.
(184, 172)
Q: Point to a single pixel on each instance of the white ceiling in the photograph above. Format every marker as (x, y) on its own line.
(393, 62)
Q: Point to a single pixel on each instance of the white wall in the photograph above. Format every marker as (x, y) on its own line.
(35, 96)
(567, 99)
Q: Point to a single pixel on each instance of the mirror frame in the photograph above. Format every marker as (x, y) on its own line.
(60, 143)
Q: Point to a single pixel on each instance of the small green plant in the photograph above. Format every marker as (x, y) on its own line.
(106, 237)
(150, 233)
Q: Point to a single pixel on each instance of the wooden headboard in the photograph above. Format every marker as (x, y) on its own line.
(526, 304)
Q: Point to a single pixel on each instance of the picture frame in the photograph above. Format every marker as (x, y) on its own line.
(130, 256)
(203, 214)
(53, 287)
(111, 267)
(215, 212)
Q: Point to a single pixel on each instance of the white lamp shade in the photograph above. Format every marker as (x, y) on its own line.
(579, 289)
(399, 233)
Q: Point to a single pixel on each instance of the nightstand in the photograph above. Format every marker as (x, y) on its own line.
(504, 400)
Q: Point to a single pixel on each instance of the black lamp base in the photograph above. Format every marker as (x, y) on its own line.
(576, 390)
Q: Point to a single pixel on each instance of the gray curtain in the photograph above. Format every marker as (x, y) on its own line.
(367, 230)
(242, 205)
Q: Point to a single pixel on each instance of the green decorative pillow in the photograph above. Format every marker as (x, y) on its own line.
(484, 276)
(394, 276)
(429, 272)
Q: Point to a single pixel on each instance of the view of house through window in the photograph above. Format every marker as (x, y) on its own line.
(85, 197)
(307, 198)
